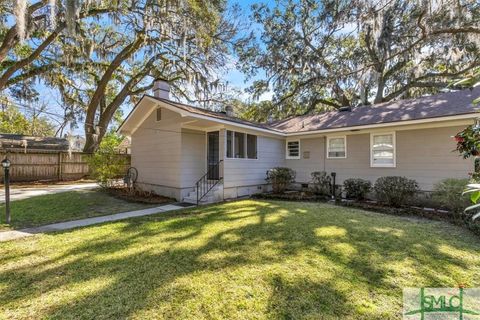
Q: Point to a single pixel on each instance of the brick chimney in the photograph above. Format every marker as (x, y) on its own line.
(229, 111)
(161, 89)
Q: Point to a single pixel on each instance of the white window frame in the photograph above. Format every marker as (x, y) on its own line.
(394, 141)
(344, 143)
(244, 145)
(287, 154)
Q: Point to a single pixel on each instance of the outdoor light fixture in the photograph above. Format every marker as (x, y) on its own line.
(6, 163)
(6, 169)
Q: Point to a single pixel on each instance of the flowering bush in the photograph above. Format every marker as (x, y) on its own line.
(468, 142)
(468, 145)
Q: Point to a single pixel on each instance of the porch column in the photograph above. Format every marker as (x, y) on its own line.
(221, 151)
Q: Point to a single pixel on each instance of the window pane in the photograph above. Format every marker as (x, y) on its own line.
(383, 150)
(229, 144)
(251, 146)
(159, 114)
(336, 154)
(293, 148)
(382, 154)
(239, 145)
(383, 142)
(382, 157)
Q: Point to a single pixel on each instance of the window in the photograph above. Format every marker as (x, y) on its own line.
(336, 147)
(229, 144)
(251, 146)
(241, 145)
(159, 114)
(382, 153)
(293, 149)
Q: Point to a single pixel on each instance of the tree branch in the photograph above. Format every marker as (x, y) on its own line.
(11, 37)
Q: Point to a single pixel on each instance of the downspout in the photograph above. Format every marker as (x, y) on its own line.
(324, 153)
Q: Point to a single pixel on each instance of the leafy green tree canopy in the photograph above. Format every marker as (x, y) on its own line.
(100, 55)
(13, 121)
(342, 53)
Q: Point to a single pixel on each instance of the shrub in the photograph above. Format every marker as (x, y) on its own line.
(472, 215)
(280, 178)
(357, 188)
(321, 183)
(395, 191)
(106, 164)
(448, 193)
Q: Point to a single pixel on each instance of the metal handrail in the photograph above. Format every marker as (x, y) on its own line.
(204, 185)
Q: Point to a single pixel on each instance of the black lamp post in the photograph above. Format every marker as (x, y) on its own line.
(334, 194)
(6, 168)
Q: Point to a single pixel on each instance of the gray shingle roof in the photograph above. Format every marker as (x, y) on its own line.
(440, 105)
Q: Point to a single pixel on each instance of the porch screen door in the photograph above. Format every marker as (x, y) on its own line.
(213, 147)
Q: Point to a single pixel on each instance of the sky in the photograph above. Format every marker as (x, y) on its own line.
(235, 79)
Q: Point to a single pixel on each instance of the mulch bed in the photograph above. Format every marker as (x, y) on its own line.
(138, 196)
(291, 196)
(430, 213)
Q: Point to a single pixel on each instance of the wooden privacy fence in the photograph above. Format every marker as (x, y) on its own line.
(57, 166)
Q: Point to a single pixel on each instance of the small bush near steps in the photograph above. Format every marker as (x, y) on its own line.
(395, 191)
(357, 188)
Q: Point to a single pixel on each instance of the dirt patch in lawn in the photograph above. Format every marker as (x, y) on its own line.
(138, 196)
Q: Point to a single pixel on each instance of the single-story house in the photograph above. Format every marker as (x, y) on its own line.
(175, 145)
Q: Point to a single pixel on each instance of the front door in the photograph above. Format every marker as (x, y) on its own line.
(213, 155)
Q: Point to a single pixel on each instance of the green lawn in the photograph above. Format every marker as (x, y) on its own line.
(64, 206)
(238, 260)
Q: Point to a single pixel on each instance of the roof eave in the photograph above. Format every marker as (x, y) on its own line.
(185, 112)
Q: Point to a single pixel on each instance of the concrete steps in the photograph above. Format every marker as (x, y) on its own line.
(214, 195)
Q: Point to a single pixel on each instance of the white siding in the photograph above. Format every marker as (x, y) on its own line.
(156, 150)
(251, 172)
(156, 153)
(193, 157)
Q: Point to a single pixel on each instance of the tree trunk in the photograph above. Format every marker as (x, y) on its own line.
(380, 89)
(90, 144)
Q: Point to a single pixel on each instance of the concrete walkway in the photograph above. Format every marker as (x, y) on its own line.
(19, 193)
(17, 234)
